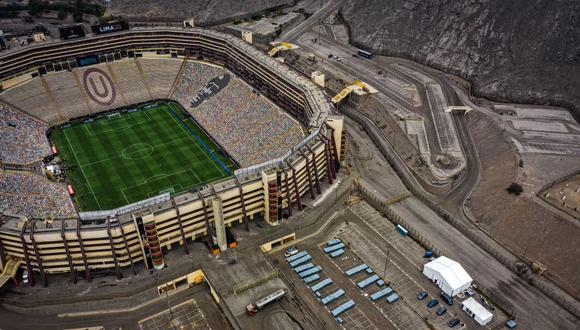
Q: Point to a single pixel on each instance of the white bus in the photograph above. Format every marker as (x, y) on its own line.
(253, 308)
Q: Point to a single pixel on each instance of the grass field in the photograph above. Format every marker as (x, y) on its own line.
(125, 157)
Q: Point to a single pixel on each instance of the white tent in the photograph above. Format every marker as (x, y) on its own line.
(475, 310)
(447, 275)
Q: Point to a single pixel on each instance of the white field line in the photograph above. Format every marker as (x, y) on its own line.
(129, 153)
(82, 171)
(93, 133)
(196, 143)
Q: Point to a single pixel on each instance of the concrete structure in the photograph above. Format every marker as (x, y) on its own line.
(248, 37)
(38, 37)
(447, 275)
(476, 311)
(270, 190)
(318, 78)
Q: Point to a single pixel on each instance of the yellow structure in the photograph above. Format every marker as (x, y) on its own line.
(182, 282)
(279, 46)
(266, 247)
(358, 87)
(9, 270)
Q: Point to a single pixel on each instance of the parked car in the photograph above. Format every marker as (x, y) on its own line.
(447, 298)
(442, 310)
(432, 303)
(453, 323)
(422, 295)
(291, 251)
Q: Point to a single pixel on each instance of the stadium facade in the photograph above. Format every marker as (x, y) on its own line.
(143, 232)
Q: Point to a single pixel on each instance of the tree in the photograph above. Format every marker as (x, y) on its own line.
(515, 189)
(35, 7)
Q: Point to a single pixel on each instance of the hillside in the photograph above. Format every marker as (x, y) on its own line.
(519, 50)
(200, 10)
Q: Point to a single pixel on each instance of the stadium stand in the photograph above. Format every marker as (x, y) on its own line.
(160, 74)
(23, 138)
(63, 89)
(257, 129)
(32, 196)
(129, 82)
(57, 97)
(32, 98)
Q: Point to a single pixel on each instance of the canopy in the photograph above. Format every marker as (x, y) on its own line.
(448, 275)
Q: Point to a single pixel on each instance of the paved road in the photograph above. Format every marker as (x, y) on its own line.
(125, 320)
(531, 305)
(319, 15)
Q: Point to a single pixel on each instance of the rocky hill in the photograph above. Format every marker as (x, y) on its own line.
(206, 11)
(518, 50)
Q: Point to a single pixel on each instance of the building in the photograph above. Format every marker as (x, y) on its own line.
(476, 311)
(271, 190)
(448, 275)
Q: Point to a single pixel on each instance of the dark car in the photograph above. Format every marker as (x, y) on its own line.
(442, 310)
(432, 303)
(422, 295)
(453, 322)
(447, 298)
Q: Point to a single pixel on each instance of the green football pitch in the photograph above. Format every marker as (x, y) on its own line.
(125, 157)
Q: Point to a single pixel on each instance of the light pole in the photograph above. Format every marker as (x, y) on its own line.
(386, 264)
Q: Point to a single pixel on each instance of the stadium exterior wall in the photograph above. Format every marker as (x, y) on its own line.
(70, 245)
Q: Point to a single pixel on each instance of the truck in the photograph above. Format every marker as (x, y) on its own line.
(253, 308)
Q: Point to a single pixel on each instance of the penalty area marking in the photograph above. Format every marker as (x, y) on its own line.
(160, 176)
(101, 123)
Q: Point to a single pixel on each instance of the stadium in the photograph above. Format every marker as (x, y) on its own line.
(119, 147)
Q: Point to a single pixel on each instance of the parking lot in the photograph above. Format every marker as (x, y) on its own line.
(186, 315)
(404, 267)
(353, 318)
(371, 239)
(398, 313)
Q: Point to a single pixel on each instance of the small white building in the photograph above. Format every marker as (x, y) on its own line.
(476, 311)
(447, 275)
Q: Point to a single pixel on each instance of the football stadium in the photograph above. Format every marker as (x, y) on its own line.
(116, 148)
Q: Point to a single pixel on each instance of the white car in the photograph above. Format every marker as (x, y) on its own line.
(291, 251)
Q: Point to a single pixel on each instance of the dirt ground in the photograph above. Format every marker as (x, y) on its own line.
(382, 113)
(522, 224)
(565, 195)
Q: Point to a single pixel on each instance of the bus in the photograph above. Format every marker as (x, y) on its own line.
(253, 308)
(365, 54)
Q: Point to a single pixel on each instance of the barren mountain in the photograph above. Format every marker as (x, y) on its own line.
(200, 10)
(518, 50)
